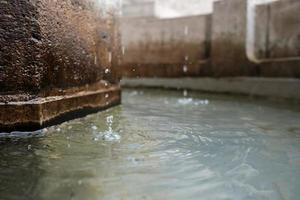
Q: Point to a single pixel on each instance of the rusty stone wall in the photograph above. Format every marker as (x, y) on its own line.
(58, 61)
(48, 44)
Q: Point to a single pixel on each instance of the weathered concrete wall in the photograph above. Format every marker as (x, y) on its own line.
(158, 47)
(262, 15)
(54, 48)
(138, 9)
(228, 50)
(284, 38)
(177, 44)
(278, 25)
(277, 38)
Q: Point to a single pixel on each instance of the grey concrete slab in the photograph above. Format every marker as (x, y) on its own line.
(265, 87)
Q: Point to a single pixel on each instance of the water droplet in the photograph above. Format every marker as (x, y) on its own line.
(109, 120)
(123, 50)
(185, 93)
(186, 30)
(109, 57)
(185, 68)
(107, 71)
(95, 60)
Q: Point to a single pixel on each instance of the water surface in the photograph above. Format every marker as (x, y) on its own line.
(160, 145)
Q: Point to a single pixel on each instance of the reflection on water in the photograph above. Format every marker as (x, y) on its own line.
(160, 145)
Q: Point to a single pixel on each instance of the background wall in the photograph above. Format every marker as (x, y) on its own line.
(215, 44)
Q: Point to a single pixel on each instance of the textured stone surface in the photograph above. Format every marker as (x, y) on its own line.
(49, 47)
(48, 44)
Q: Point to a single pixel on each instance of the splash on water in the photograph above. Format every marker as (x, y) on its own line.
(185, 101)
(191, 101)
(109, 135)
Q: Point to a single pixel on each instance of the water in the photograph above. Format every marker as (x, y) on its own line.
(160, 145)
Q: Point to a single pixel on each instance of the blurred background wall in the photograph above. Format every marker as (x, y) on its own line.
(210, 38)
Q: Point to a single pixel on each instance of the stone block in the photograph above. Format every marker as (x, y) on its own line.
(54, 56)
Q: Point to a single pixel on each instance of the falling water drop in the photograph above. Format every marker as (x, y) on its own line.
(109, 135)
(123, 50)
(107, 71)
(185, 68)
(186, 30)
(95, 60)
(185, 93)
(109, 57)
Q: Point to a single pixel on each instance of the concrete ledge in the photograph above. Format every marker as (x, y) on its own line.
(46, 111)
(264, 87)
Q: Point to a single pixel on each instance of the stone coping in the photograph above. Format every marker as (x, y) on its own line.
(46, 111)
(286, 88)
